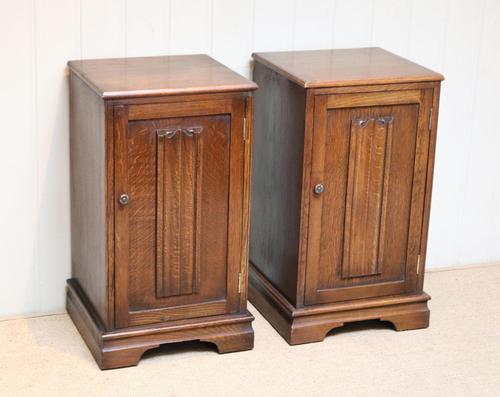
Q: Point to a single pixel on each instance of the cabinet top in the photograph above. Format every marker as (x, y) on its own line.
(345, 67)
(162, 75)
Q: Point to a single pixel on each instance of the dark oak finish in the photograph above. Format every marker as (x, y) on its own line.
(124, 347)
(344, 68)
(312, 323)
(160, 205)
(88, 203)
(157, 76)
(344, 147)
(277, 157)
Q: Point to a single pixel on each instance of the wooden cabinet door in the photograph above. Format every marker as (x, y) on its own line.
(179, 179)
(366, 200)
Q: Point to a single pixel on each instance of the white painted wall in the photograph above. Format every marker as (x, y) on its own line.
(37, 37)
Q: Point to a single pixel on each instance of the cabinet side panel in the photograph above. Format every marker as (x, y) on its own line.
(428, 183)
(88, 238)
(277, 178)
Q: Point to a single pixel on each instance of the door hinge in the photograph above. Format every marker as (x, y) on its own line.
(240, 281)
(418, 264)
(245, 128)
(430, 119)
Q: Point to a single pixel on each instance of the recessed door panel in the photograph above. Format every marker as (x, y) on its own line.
(364, 227)
(179, 189)
(182, 176)
(369, 163)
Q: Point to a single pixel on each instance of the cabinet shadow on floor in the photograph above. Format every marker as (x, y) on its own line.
(180, 348)
(360, 326)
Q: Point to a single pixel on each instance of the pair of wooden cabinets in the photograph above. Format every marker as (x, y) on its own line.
(160, 172)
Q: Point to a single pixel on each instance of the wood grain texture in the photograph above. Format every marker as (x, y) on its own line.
(276, 185)
(361, 237)
(236, 206)
(367, 203)
(370, 145)
(110, 208)
(175, 245)
(120, 217)
(247, 188)
(124, 348)
(429, 177)
(88, 195)
(155, 110)
(374, 99)
(178, 211)
(153, 76)
(436, 34)
(312, 323)
(305, 196)
(345, 67)
(161, 220)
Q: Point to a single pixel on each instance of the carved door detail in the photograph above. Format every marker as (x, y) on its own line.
(178, 209)
(364, 238)
(370, 142)
(179, 236)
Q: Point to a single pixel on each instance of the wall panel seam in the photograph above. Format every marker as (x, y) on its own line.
(469, 130)
(36, 265)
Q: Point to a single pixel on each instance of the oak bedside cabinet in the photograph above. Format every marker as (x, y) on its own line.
(160, 168)
(343, 160)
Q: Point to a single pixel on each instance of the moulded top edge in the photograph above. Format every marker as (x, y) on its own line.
(345, 67)
(154, 76)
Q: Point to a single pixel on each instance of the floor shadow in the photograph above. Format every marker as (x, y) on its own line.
(359, 326)
(180, 347)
